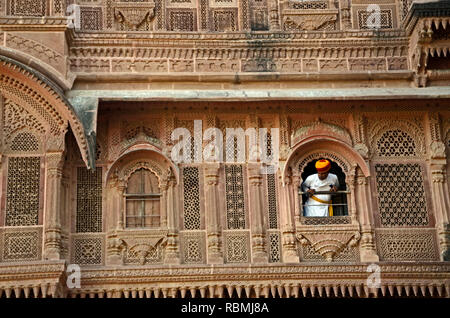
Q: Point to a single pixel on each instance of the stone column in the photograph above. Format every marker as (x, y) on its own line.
(172, 250)
(52, 243)
(274, 15)
(117, 209)
(212, 211)
(256, 207)
(289, 245)
(363, 200)
(346, 22)
(441, 202)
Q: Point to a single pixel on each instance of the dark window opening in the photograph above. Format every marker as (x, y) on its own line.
(340, 207)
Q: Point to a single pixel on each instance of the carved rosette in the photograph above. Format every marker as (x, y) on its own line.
(329, 241)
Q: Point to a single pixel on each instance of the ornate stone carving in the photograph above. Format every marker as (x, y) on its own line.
(328, 241)
(309, 22)
(320, 128)
(437, 150)
(133, 14)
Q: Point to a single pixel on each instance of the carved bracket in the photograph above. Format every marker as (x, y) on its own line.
(134, 14)
(329, 241)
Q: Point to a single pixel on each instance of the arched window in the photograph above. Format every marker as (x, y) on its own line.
(339, 200)
(143, 200)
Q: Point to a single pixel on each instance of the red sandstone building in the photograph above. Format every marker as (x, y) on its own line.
(88, 106)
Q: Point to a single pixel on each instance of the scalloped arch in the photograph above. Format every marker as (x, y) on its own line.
(317, 146)
(14, 76)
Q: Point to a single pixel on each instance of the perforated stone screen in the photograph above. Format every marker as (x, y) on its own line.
(396, 143)
(21, 245)
(191, 196)
(88, 251)
(401, 195)
(22, 198)
(89, 200)
(272, 199)
(235, 197)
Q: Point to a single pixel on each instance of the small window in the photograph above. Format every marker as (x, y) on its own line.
(143, 200)
(339, 205)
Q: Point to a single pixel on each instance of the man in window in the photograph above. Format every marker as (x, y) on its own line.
(323, 180)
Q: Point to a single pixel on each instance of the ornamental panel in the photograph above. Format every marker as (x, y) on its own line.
(91, 18)
(22, 198)
(89, 200)
(21, 245)
(30, 8)
(88, 250)
(401, 195)
(407, 245)
(237, 247)
(191, 198)
(396, 143)
(348, 255)
(272, 201)
(193, 246)
(274, 247)
(235, 200)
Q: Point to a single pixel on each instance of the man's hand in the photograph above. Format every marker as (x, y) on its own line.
(311, 192)
(333, 189)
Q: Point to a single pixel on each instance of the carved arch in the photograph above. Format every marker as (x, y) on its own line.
(315, 147)
(410, 127)
(26, 87)
(142, 156)
(320, 128)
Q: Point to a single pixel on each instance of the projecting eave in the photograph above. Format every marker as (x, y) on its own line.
(442, 92)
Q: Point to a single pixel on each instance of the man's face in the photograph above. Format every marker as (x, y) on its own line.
(323, 175)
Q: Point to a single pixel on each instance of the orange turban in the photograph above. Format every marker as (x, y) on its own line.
(323, 165)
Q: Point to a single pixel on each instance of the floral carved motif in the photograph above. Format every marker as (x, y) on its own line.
(134, 14)
(309, 22)
(328, 241)
(321, 128)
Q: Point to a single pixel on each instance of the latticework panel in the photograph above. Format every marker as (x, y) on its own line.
(406, 245)
(274, 247)
(88, 250)
(24, 142)
(181, 20)
(191, 198)
(405, 4)
(193, 245)
(385, 19)
(235, 200)
(237, 247)
(31, 8)
(401, 195)
(21, 245)
(89, 200)
(91, 18)
(272, 200)
(22, 198)
(325, 220)
(308, 5)
(225, 20)
(347, 255)
(396, 143)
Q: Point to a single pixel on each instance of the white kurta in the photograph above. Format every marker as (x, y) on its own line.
(315, 208)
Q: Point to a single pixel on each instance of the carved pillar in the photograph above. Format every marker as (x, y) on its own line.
(212, 211)
(289, 246)
(52, 244)
(274, 15)
(256, 208)
(363, 200)
(298, 209)
(122, 205)
(173, 249)
(346, 22)
(440, 190)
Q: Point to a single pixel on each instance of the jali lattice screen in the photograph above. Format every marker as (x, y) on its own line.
(89, 200)
(22, 198)
(401, 195)
(235, 197)
(191, 198)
